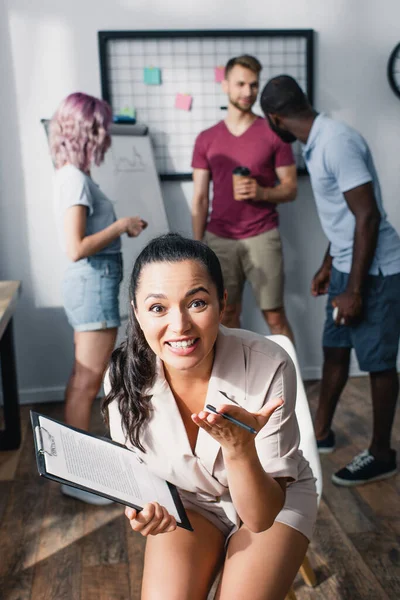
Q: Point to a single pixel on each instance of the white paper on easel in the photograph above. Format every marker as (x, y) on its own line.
(130, 180)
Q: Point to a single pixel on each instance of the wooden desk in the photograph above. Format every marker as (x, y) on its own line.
(10, 436)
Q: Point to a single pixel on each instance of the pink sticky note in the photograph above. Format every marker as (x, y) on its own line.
(183, 101)
(219, 74)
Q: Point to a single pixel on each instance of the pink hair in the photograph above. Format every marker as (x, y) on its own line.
(79, 131)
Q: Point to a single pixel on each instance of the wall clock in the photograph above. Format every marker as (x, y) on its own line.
(393, 70)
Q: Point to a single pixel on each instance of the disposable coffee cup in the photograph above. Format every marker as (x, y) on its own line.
(237, 174)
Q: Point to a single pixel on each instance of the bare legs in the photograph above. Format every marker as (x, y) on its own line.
(182, 565)
(262, 565)
(278, 323)
(231, 316)
(335, 373)
(275, 319)
(384, 393)
(92, 352)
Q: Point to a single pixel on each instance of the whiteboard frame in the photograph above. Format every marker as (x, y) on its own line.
(105, 36)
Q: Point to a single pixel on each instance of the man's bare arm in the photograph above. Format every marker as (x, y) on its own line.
(285, 191)
(361, 201)
(200, 202)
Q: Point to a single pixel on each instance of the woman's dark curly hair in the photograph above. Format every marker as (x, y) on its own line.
(132, 366)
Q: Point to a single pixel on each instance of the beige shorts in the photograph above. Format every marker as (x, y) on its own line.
(299, 512)
(258, 259)
(212, 511)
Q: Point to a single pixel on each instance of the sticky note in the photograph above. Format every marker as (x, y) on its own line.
(219, 74)
(183, 101)
(152, 76)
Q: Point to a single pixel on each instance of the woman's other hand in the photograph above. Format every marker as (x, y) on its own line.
(133, 226)
(151, 520)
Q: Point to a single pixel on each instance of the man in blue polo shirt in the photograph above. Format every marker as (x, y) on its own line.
(360, 271)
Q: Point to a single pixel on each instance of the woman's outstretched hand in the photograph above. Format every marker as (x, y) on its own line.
(230, 435)
(151, 520)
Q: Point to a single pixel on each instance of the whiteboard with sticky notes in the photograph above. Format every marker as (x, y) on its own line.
(172, 79)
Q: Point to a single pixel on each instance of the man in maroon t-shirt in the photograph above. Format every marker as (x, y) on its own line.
(243, 227)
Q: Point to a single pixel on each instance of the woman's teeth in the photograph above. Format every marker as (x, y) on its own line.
(182, 344)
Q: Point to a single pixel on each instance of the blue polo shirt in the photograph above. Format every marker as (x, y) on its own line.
(338, 159)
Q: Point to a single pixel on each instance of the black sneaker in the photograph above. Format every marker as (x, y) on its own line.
(365, 468)
(327, 445)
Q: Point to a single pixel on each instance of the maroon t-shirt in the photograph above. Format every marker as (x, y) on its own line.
(262, 151)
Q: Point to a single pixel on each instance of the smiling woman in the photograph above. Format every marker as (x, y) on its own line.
(253, 493)
(179, 312)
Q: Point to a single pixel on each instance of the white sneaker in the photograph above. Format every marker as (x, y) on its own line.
(88, 497)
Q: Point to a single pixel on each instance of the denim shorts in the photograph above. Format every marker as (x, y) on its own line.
(375, 338)
(90, 291)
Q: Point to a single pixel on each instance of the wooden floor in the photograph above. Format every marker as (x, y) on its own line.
(55, 548)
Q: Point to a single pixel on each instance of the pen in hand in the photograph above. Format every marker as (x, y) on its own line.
(212, 409)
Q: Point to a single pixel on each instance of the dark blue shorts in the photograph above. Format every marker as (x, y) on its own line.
(376, 338)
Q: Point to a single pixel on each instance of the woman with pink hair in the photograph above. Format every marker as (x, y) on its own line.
(90, 235)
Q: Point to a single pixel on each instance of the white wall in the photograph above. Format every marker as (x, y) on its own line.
(49, 49)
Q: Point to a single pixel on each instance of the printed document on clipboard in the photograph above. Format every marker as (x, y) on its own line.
(96, 464)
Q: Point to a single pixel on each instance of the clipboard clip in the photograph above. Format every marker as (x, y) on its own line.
(45, 445)
(140, 460)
